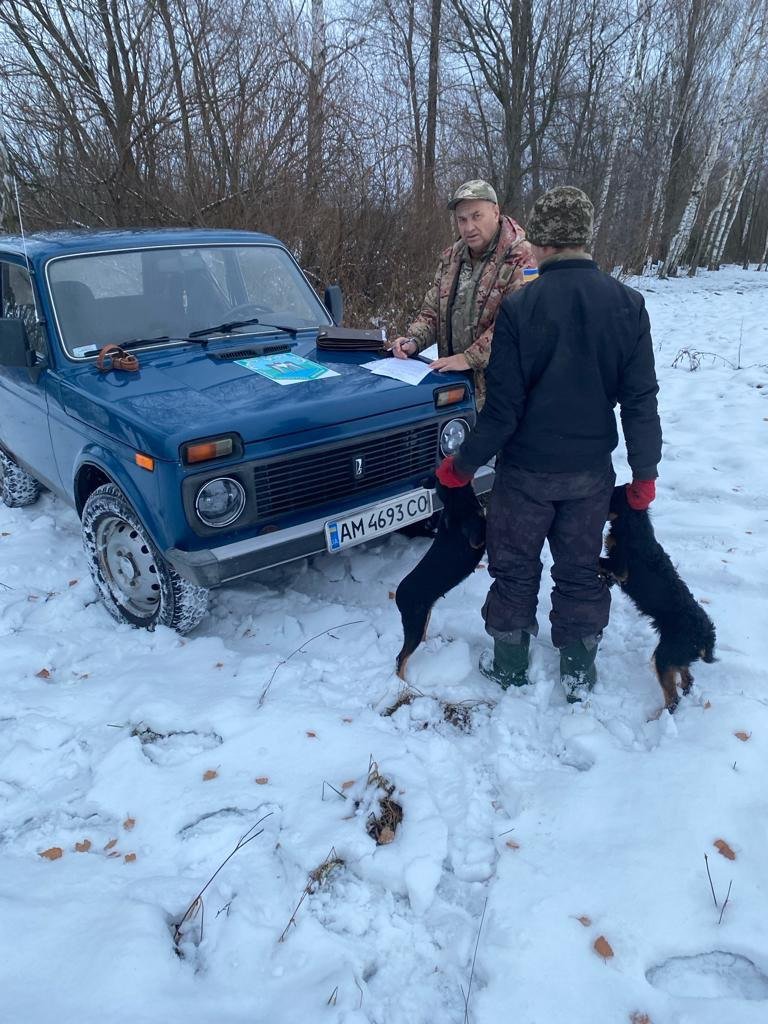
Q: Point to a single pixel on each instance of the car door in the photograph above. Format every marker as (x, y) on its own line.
(24, 428)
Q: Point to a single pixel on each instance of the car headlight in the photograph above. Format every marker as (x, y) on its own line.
(219, 502)
(452, 436)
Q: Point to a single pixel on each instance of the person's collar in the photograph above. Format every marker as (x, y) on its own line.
(565, 254)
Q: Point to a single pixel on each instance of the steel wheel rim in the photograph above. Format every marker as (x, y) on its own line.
(128, 566)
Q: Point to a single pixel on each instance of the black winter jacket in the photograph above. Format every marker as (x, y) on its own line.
(566, 348)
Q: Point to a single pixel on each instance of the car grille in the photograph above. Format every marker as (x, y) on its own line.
(291, 484)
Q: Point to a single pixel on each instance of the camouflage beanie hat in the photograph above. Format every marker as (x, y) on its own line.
(562, 216)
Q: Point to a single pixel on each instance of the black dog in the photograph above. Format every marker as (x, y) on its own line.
(644, 571)
(452, 556)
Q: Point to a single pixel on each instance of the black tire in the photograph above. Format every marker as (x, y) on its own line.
(17, 487)
(135, 582)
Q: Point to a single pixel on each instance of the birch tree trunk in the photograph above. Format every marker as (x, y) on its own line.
(706, 247)
(432, 90)
(745, 50)
(726, 221)
(9, 221)
(749, 220)
(764, 257)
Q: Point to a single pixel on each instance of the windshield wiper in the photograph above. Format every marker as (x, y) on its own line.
(228, 328)
(133, 342)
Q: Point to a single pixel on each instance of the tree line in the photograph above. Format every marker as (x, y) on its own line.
(342, 127)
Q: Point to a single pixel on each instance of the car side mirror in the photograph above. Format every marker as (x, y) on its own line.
(334, 303)
(14, 344)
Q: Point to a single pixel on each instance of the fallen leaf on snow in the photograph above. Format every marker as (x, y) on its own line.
(210, 774)
(53, 853)
(639, 1018)
(129, 823)
(602, 947)
(346, 719)
(586, 921)
(43, 674)
(348, 784)
(114, 853)
(391, 595)
(707, 705)
(743, 736)
(129, 858)
(312, 735)
(386, 836)
(722, 847)
(72, 583)
(512, 844)
(219, 664)
(110, 844)
(262, 780)
(83, 847)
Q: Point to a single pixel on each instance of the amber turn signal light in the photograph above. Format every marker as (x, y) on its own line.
(450, 396)
(145, 461)
(206, 450)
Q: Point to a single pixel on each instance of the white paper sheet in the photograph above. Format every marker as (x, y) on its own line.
(409, 371)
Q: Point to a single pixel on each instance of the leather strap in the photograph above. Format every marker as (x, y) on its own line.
(112, 357)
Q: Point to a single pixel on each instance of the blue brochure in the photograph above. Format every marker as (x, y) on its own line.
(287, 368)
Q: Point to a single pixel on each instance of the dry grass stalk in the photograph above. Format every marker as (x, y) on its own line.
(407, 695)
(381, 827)
(197, 906)
(315, 879)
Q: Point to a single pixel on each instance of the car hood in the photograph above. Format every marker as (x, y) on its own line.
(179, 395)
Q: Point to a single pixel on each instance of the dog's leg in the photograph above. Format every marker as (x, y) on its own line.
(686, 679)
(402, 662)
(426, 626)
(668, 683)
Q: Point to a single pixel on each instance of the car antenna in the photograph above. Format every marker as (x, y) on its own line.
(38, 317)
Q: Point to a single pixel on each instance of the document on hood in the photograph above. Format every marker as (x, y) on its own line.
(409, 371)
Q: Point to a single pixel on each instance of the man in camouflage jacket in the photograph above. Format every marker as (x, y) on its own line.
(473, 276)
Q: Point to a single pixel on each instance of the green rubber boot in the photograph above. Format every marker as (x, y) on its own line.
(508, 665)
(577, 667)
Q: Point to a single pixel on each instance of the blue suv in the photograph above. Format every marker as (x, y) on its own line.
(220, 440)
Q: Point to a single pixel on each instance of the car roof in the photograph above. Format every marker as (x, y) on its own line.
(45, 244)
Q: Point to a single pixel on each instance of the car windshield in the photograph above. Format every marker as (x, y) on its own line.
(113, 297)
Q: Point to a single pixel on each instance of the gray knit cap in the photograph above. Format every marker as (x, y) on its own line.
(562, 216)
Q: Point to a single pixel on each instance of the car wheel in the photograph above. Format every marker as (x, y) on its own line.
(17, 487)
(136, 583)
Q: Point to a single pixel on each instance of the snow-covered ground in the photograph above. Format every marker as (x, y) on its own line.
(560, 824)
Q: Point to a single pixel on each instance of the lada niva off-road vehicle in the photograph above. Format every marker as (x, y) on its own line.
(220, 440)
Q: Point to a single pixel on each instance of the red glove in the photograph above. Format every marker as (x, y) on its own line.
(640, 494)
(449, 476)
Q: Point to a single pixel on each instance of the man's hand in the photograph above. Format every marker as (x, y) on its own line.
(449, 476)
(403, 347)
(447, 363)
(640, 494)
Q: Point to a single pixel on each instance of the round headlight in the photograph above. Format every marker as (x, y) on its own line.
(452, 436)
(219, 502)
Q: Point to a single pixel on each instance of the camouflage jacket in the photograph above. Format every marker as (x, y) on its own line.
(502, 275)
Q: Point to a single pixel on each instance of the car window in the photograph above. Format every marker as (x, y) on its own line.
(18, 302)
(112, 297)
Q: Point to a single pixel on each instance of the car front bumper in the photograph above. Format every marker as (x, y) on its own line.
(215, 566)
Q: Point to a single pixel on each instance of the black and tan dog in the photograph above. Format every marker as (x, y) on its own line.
(644, 571)
(453, 555)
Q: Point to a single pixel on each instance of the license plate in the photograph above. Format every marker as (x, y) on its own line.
(378, 520)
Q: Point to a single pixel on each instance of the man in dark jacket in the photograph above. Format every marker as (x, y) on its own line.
(566, 349)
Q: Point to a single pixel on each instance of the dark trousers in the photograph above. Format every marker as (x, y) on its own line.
(567, 509)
